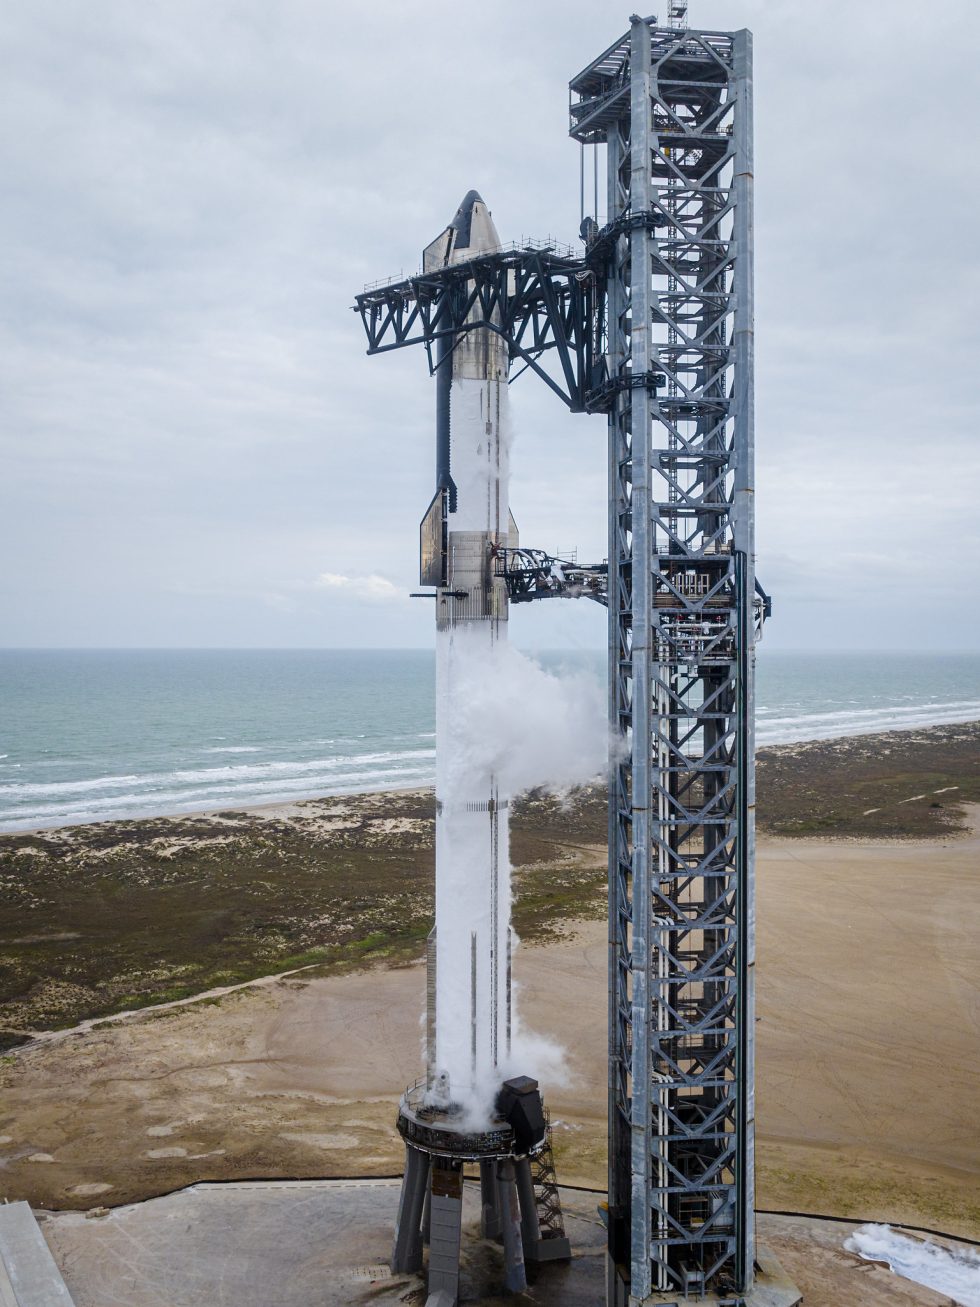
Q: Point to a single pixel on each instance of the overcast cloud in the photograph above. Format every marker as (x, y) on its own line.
(196, 450)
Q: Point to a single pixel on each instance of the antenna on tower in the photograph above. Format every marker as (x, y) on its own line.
(677, 13)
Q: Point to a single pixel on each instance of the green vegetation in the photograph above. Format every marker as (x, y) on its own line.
(908, 784)
(103, 918)
(98, 919)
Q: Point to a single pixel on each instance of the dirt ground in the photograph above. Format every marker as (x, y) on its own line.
(868, 1042)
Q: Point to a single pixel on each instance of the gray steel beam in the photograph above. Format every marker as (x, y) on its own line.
(744, 513)
(407, 1255)
(619, 835)
(642, 401)
(515, 1275)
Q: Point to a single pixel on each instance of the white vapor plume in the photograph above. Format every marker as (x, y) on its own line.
(506, 722)
(529, 727)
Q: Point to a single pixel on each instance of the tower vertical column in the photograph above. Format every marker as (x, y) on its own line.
(743, 338)
(620, 694)
(642, 403)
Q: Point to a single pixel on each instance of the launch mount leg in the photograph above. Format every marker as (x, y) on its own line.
(530, 1230)
(445, 1219)
(407, 1255)
(515, 1277)
(489, 1206)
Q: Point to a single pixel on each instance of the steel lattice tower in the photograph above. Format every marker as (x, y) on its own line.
(674, 109)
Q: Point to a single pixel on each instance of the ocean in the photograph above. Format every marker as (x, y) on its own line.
(90, 735)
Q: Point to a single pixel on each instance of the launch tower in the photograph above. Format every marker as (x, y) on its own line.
(673, 108)
(653, 326)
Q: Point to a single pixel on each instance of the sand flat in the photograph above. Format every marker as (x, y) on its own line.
(869, 1031)
(868, 1054)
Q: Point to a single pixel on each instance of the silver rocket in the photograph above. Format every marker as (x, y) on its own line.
(469, 1014)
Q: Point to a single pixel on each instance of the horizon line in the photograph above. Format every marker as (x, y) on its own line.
(429, 648)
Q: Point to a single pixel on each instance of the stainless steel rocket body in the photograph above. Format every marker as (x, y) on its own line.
(472, 1107)
(469, 1030)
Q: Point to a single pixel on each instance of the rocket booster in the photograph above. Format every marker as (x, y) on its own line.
(468, 519)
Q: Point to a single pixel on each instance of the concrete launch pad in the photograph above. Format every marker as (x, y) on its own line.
(322, 1243)
(295, 1244)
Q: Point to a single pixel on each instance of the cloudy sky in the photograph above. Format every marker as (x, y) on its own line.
(196, 450)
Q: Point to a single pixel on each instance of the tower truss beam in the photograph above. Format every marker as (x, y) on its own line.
(540, 301)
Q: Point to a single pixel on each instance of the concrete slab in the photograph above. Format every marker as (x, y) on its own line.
(323, 1243)
(295, 1244)
(773, 1287)
(29, 1276)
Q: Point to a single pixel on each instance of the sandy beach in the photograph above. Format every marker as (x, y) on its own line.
(868, 1037)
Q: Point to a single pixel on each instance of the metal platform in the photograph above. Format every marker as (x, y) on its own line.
(520, 1207)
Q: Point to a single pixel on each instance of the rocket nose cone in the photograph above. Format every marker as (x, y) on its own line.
(465, 210)
(474, 227)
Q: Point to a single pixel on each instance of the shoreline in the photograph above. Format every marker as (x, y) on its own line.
(783, 746)
(275, 809)
(286, 807)
(111, 916)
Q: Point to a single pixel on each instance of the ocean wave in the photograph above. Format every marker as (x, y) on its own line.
(214, 796)
(885, 710)
(33, 803)
(831, 726)
(204, 776)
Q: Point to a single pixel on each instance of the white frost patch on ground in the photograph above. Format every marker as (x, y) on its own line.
(956, 1273)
